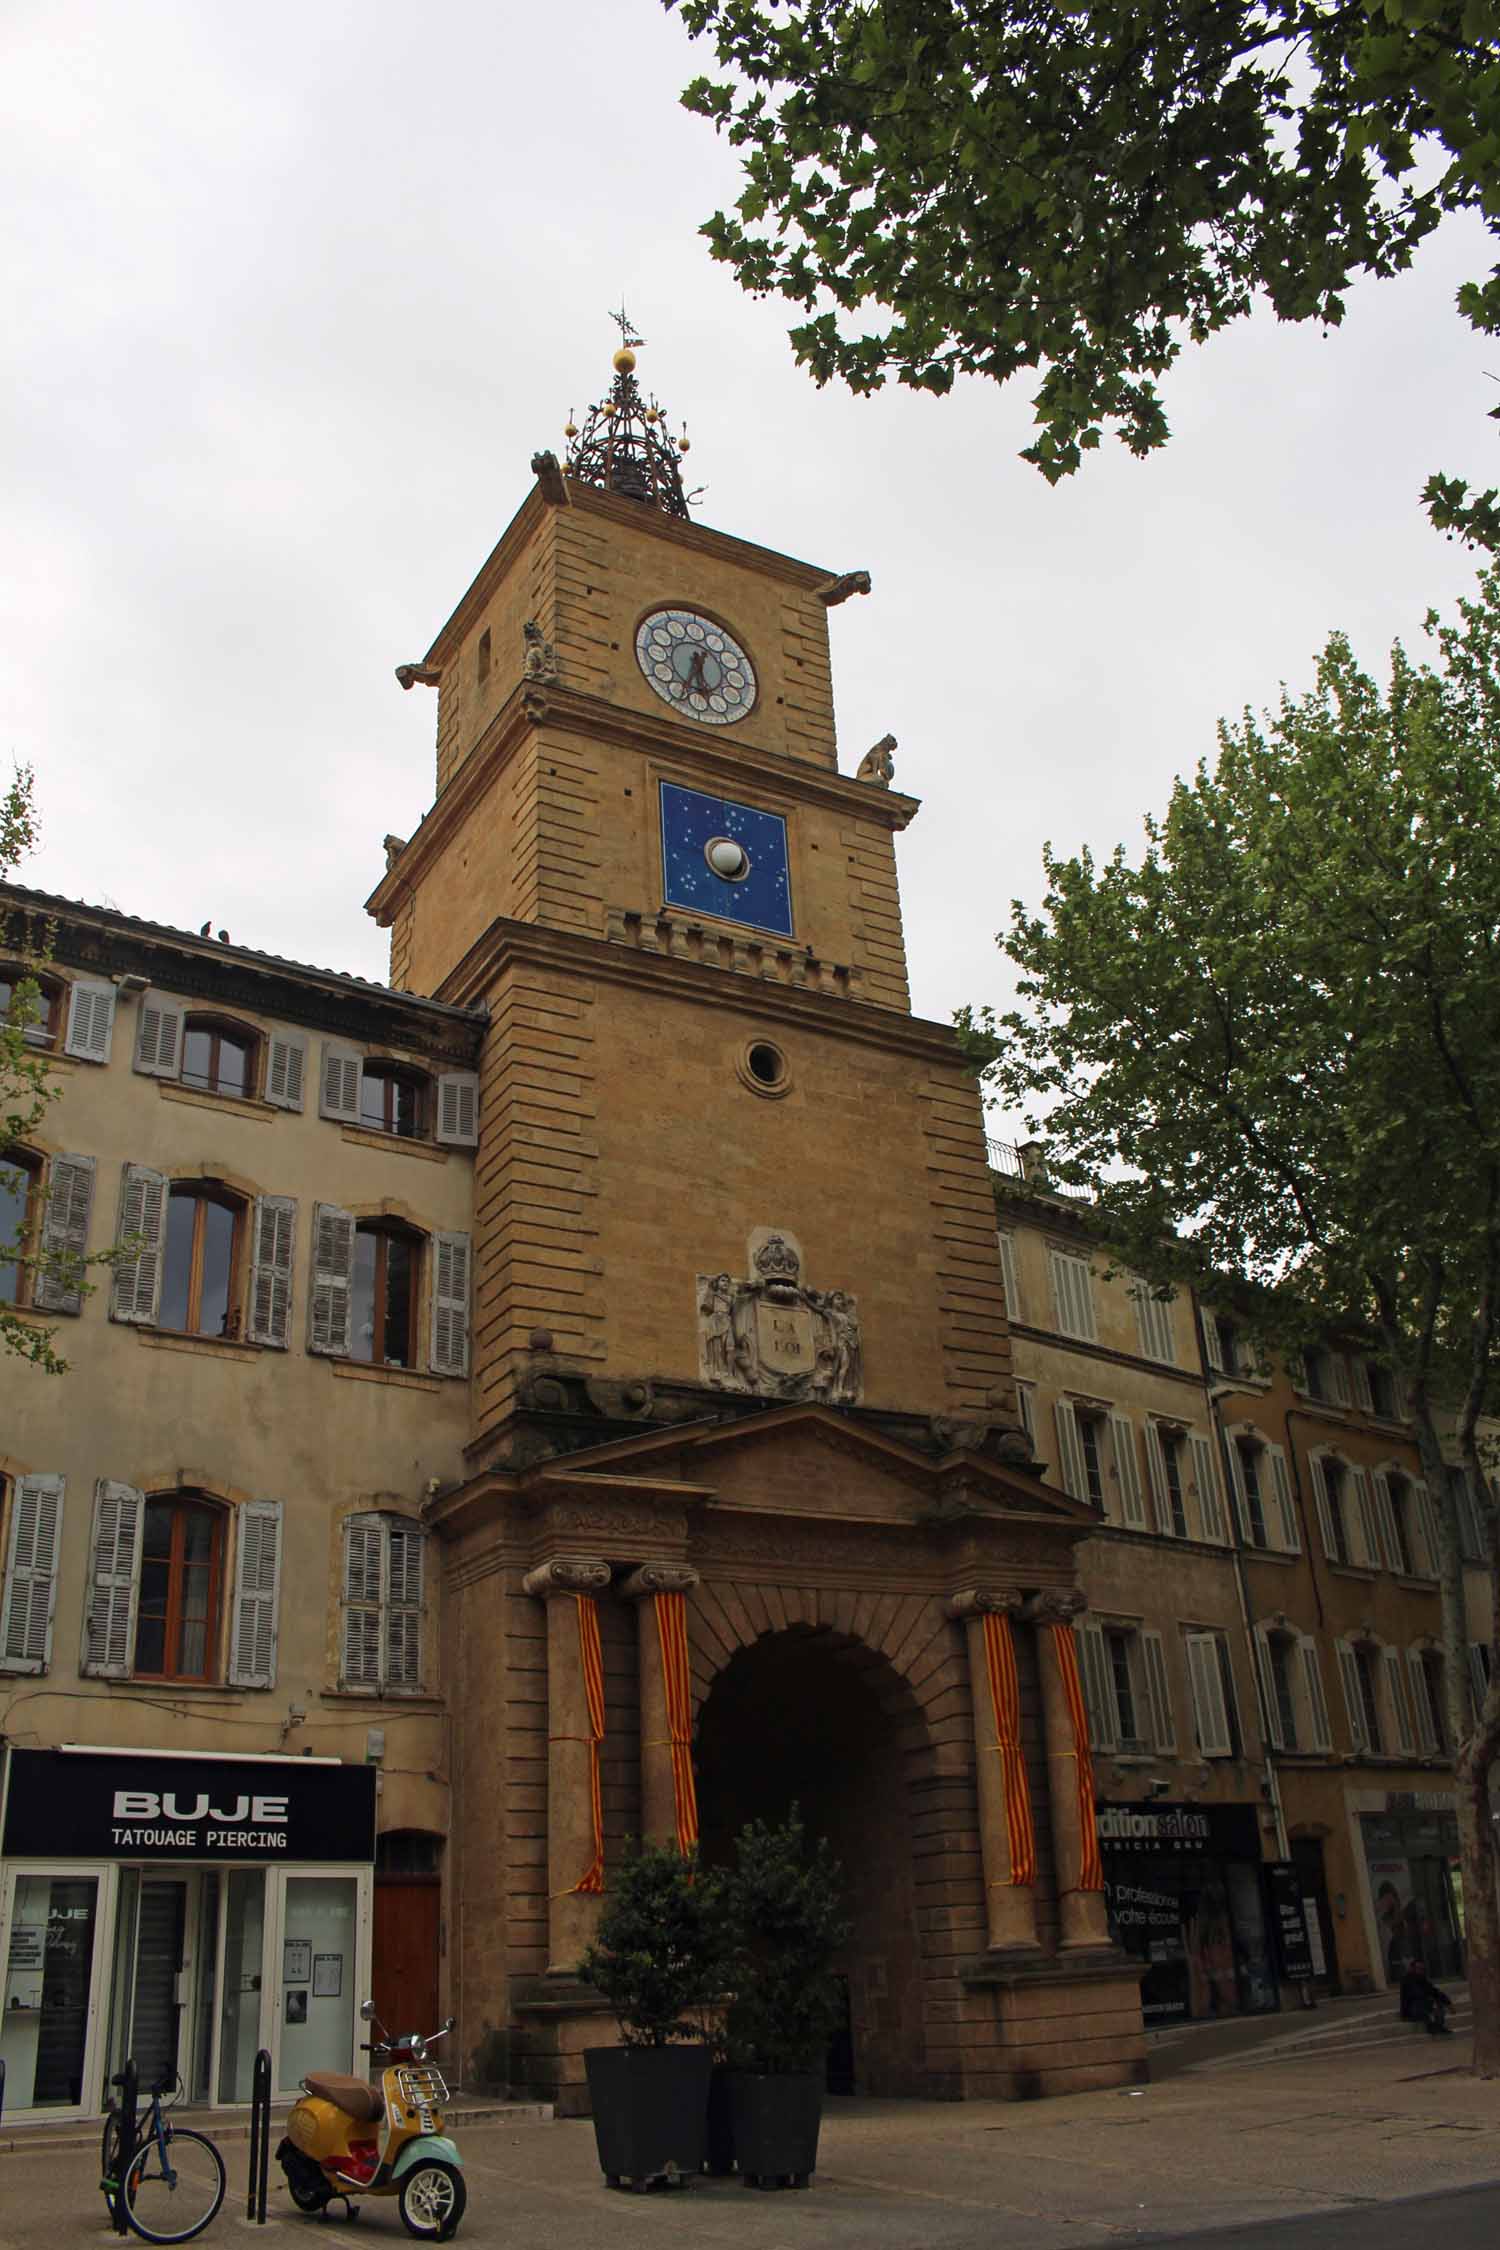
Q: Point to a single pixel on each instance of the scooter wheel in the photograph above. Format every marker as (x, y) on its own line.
(308, 2198)
(432, 2199)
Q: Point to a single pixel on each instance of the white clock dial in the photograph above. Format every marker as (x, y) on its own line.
(696, 666)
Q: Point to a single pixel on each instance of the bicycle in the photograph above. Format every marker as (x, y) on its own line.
(173, 2184)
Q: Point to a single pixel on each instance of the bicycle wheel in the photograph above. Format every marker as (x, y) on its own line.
(174, 2186)
(111, 2149)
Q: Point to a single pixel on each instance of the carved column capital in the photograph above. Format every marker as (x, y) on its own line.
(566, 1574)
(1059, 1607)
(659, 1578)
(975, 1601)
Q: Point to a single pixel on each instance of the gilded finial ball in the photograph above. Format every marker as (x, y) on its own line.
(570, 429)
(653, 414)
(682, 445)
(624, 361)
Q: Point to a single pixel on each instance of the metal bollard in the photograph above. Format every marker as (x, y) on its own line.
(130, 2087)
(2, 2087)
(260, 2138)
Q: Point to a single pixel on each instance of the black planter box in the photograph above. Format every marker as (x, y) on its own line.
(719, 2162)
(650, 2109)
(775, 2124)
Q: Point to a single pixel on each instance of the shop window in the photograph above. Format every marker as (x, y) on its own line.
(182, 1552)
(20, 1207)
(387, 1262)
(35, 1002)
(202, 1257)
(393, 1099)
(219, 1058)
(382, 1605)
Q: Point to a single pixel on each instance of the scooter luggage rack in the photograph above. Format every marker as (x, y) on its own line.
(422, 2087)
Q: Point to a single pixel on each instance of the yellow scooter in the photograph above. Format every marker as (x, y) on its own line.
(345, 2138)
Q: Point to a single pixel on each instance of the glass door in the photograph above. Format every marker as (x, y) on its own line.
(242, 1948)
(48, 2000)
(318, 1970)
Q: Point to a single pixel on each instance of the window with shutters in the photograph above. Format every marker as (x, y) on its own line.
(1171, 1444)
(1380, 1387)
(1072, 1296)
(1246, 1458)
(1091, 1445)
(36, 1003)
(381, 1641)
(1367, 1683)
(1402, 1530)
(1126, 1692)
(21, 1201)
(1324, 1376)
(1429, 1692)
(1229, 1348)
(395, 1099)
(177, 1604)
(1336, 1497)
(31, 1509)
(220, 1057)
(1281, 1651)
(1215, 1710)
(383, 1294)
(202, 1262)
(1154, 1324)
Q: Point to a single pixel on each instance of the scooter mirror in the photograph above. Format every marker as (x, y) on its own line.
(452, 2020)
(367, 2010)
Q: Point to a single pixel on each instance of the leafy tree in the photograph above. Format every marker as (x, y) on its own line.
(1274, 1045)
(25, 1090)
(1027, 184)
(786, 1924)
(658, 1956)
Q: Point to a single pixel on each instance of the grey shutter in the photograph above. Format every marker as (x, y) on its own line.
(1153, 1321)
(158, 1036)
(1211, 1344)
(1385, 1516)
(458, 1108)
(1158, 1692)
(1364, 1397)
(1098, 1689)
(1209, 1715)
(1354, 1703)
(286, 1068)
(31, 1574)
(338, 1083)
(364, 1554)
(1008, 1275)
(275, 1224)
(1369, 1530)
(450, 1304)
(1072, 1296)
(135, 1291)
(1265, 1679)
(1283, 1509)
(91, 1020)
(1156, 1472)
(1325, 1513)
(257, 1586)
(1241, 1494)
(1070, 1451)
(1319, 1735)
(403, 1613)
(1395, 1683)
(114, 1577)
(1206, 1477)
(1427, 1527)
(1339, 1370)
(1026, 1408)
(330, 1300)
(1127, 1469)
(58, 1285)
(1426, 1735)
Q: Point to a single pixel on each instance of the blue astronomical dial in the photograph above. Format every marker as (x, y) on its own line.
(725, 859)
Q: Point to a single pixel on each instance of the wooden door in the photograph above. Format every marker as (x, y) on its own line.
(404, 1953)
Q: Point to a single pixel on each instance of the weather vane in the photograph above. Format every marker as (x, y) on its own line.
(622, 321)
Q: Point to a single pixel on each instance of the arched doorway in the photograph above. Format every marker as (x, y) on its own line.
(811, 1717)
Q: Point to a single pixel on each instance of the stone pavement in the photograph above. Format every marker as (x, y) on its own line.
(1244, 2133)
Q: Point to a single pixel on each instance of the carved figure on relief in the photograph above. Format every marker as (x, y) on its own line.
(774, 1337)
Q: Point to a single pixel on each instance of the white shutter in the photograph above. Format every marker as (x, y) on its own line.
(450, 1304)
(1127, 1469)
(1070, 1450)
(135, 1291)
(403, 1616)
(1026, 1408)
(1395, 1683)
(1385, 1516)
(1270, 1709)
(1209, 1715)
(114, 1577)
(1072, 1296)
(1158, 1691)
(364, 1573)
(1211, 1343)
(1008, 1274)
(1098, 1688)
(1156, 1472)
(257, 1584)
(1354, 1703)
(330, 1300)
(1283, 1508)
(1296, 1369)
(1427, 1527)
(64, 1235)
(275, 1231)
(338, 1083)
(91, 1020)
(286, 1068)
(1241, 1495)
(1368, 1530)
(158, 1036)
(31, 1574)
(458, 1108)
(1319, 1736)
(1339, 1372)
(1153, 1322)
(1206, 1478)
(1325, 1512)
(1364, 1397)
(1426, 1737)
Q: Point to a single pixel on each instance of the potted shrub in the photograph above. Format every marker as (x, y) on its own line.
(786, 1925)
(658, 1960)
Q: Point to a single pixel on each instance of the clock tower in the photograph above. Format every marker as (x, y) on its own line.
(741, 1380)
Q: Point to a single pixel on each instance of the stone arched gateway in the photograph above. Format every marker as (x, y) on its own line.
(798, 1525)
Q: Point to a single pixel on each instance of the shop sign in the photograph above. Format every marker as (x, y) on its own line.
(1420, 1800)
(90, 1805)
(1226, 1831)
(1289, 1919)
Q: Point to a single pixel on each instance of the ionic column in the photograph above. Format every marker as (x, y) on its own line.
(1080, 1912)
(571, 1914)
(658, 1784)
(1010, 1907)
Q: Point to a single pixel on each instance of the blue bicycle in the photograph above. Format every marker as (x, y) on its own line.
(173, 2184)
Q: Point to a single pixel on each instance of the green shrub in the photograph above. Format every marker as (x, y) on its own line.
(784, 1909)
(659, 1955)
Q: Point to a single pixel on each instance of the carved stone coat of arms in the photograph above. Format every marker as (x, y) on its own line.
(774, 1337)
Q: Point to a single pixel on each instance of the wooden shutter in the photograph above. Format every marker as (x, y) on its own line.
(1158, 1691)
(1325, 1513)
(1265, 1678)
(91, 1020)
(1241, 1495)
(338, 1082)
(1211, 1343)
(1359, 1374)
(257, 1586)
(1319, 1736)
(330, 1300)
(1098, 1688)
(1425, 1733)
(1153, 1323)
(1070, 1450)
(158, 1036)
(286, 1068)
(1426, 1526)
(64, 1240)
(1354, 1705)
(114, 1577)
(1396, 1695)
(403, 1615)
(1072, 1296)
(458, 1108)
(135, 1291)
(1283, 1511)
(1206, 1479)
(364, 1557)
(1385, 1517)
(1209, 1715)
(1369, 1530)
(275, 1229)
(1156, 1475)
(30, 1595)
(1008, 1277)
(1127, 1469)
(450, 1304)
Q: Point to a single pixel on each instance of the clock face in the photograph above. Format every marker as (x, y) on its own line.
(696, 666)
(725, 859)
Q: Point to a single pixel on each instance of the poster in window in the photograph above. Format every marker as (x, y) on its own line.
(296, 1961)
(28, 1942)
(328, 1976)
(296, 2007)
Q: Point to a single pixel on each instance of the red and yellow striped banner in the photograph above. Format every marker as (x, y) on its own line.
(1005, 1702)
(671, 1624)
(592, 1878)
(1091, 1867)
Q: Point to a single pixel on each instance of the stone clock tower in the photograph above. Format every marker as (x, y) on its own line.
(749, 1514)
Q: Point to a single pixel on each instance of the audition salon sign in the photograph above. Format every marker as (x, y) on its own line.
(92, 1805)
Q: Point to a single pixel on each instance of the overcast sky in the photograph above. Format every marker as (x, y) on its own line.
(293, 293)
